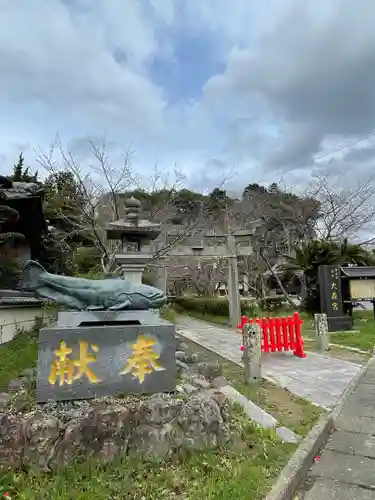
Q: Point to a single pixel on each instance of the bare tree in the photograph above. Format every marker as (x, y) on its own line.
(278, 219)
(101, 187)
(347, 207)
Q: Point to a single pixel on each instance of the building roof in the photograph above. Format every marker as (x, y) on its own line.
(19, 298)
(19, 190)
(359, 271)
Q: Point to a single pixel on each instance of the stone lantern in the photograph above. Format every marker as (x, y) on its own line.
(136, 236)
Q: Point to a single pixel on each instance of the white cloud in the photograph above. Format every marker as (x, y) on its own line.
(290, 77)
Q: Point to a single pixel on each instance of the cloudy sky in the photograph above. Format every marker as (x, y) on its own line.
(266, 87)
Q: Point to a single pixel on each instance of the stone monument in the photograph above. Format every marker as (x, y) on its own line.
(109, 340)
(331, 303)
(135, 236)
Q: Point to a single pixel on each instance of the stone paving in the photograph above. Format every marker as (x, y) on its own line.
(345, 469)
(317, 378)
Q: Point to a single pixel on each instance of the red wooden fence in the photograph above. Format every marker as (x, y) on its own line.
(279, 334)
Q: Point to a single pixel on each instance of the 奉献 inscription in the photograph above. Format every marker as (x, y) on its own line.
(85, 362)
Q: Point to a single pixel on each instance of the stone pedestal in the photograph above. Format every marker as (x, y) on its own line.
(132, 265)
(95, 354)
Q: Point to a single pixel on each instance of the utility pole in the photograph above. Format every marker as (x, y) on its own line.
(234, 298)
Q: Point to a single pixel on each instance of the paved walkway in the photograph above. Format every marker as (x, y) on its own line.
(346, 467)
(317, 378)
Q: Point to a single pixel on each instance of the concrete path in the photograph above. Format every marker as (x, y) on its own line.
(319, 379)
(345, 470)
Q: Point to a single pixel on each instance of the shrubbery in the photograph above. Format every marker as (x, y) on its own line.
(272, 304)
(212, 307)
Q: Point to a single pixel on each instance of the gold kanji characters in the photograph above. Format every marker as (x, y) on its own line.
(66, 370)
(143, 360)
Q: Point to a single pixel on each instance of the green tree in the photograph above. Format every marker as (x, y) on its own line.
(22, 173)
(253, 188)
(308, 256)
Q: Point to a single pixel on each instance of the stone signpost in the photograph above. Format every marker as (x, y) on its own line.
(251, 353)
(331, 303)
(321, 330)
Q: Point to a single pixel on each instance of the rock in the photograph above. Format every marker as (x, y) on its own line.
(186, 357)
(181, 366)
(209, 371)
(193, 358)
(202, 423)
(66, 411)
(159, 410)
(20, 401)
(103, 433)
(4, 400)
(42, 432)
(183, 347)
(151, 426)
(189, 388)
(220, 381)
(181, 355)
(29, 373)
(12, 440)
(179, 342)
(201, 383)
(19, 384)
(155, 442)
(222, 401)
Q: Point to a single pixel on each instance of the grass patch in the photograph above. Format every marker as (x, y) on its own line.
(362, 337)
(291, 411)
(16, 355)
(210, 318)
(168, 313)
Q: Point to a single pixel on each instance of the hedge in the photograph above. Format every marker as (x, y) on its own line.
(220, 306)
(212, 307)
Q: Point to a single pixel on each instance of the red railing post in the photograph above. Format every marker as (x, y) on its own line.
(279, 340)
(298, 336)
(271, 329)
(291, 335)
(284, 326)
(264, 334)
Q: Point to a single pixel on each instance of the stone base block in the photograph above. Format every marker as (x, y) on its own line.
(339, 323)
(81, 362)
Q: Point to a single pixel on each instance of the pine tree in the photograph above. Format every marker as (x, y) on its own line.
(18, 169)
(22, 174)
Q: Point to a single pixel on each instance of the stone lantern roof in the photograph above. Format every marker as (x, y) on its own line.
(131, 226)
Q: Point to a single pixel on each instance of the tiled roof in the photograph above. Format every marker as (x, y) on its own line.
(359, 272)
